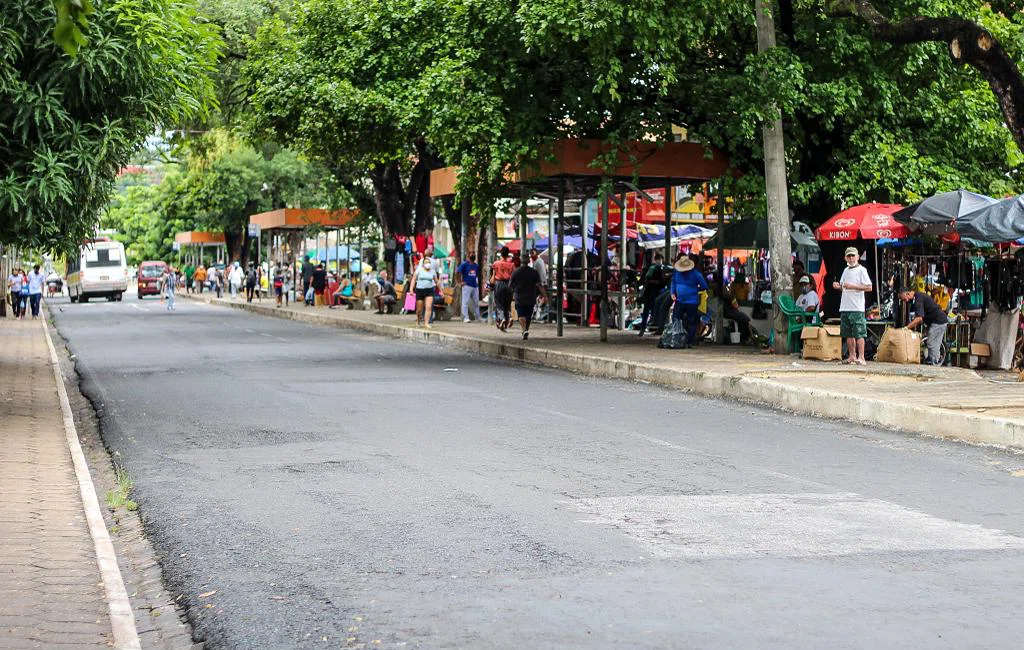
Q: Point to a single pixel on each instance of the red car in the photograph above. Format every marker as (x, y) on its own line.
(149, 278)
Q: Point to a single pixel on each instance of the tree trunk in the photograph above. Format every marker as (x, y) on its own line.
(389, 196)
(969, 44)
(776, 191)
(232, 244)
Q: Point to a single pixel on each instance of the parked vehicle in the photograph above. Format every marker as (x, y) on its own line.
(99, 270)
(149, 278)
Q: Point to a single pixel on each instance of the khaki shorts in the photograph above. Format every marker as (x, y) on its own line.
(853, 325)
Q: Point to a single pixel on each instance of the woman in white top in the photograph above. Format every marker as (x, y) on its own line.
(425, 282)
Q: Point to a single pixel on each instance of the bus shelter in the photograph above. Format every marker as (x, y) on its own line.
(284, 231)
(192, 246)
(581, 169)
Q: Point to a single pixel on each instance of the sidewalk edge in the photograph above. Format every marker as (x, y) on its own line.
(918, 420)
(122, 619)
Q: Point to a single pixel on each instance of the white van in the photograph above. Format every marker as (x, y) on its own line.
(100, 270)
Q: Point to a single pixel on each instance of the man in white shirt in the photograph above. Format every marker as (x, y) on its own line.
(36, 280)
(14, 282)
(808, 300)
(539, 266)
(854, 283)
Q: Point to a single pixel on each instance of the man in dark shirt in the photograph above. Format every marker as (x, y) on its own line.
(526, 285)
(927, 311)
(307, 274)
(319, 282)
(387, 296)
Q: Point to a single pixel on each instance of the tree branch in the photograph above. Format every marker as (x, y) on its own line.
(969, 44)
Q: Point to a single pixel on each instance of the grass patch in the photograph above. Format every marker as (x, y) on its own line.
(120, 496)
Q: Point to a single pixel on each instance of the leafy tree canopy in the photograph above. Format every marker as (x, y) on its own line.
(483, 84)
(69, 124)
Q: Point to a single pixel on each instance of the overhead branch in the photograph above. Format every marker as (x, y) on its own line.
(969, 44)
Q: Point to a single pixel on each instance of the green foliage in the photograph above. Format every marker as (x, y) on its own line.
(69, 124)
(72, 17)
(485, 83)
(139, 215)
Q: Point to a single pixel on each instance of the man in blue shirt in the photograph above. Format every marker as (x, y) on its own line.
(687, 283)
(469, 277)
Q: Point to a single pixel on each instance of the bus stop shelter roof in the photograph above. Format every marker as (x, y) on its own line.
(198, 237)
(302, 218)
(574, 164)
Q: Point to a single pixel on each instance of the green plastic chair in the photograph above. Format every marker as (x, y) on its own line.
(796, 320)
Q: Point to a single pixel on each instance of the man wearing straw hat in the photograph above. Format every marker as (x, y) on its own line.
(854, 283)
(687, 283)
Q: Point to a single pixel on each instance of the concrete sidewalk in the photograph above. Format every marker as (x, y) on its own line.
(945, 402)
(52, 590)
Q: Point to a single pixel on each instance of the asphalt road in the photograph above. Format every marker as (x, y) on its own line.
(315, 488)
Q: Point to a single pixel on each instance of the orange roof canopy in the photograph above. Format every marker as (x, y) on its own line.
(651, 164)
(300, 218)
(199, 237)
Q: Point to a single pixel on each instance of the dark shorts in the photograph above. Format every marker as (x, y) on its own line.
(423, 294)
(525, 309)
(278, 291)
(853, 325)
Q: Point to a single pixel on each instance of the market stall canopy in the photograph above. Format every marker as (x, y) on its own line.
(302, 218)
(939, 214)
(867, 221)
(333, 253)
(1002, 221)
(752, 234)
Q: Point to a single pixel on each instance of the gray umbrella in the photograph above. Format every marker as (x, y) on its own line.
(939, 214)
(1002, 221)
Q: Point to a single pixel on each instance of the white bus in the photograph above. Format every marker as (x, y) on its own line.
(100, 270)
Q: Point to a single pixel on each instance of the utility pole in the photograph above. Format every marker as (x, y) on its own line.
(776, 190)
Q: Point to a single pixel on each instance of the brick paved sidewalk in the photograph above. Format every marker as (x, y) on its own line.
(51, 593)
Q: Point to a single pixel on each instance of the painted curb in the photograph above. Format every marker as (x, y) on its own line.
(922, 420)
(122, 619)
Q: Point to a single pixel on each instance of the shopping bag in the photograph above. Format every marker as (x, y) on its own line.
(410, 302)
(702, 305)
(674, 336)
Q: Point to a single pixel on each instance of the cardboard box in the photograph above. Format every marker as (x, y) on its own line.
(981, 349)
(899, 345)
(822, 343)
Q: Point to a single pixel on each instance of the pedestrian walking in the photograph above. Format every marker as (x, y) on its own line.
(687, 283)
(251, 278)
(36, 282)
(170, 284)
(526, 286)
(235, 277)
(15, 281)
(928, 312)
(278, 285)
(853, 325)
(469, 277)
(217, 277)
(190, 272)
(426, 282)
(318, 284)
(501, 295)
(200, 278)
(655, 279)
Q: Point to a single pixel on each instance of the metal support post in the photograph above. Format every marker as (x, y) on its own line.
(560, 277)
(602, 308)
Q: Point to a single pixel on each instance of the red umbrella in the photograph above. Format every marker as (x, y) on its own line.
(868, 221)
